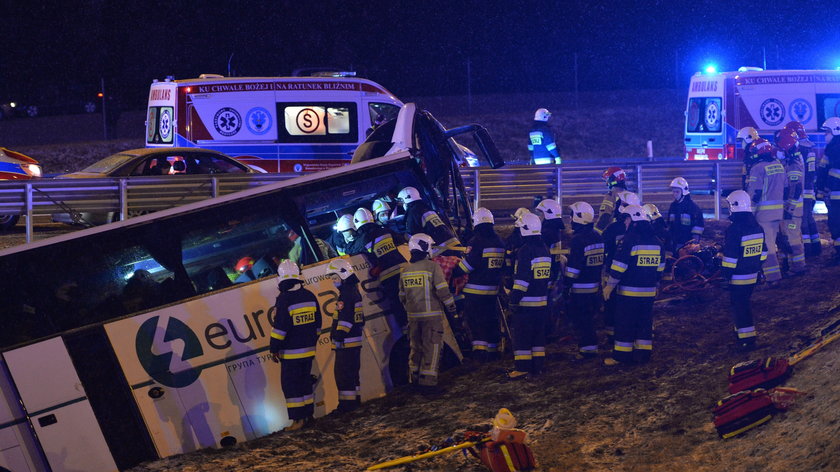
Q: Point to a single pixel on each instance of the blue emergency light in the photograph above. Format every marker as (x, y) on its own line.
(711, 69)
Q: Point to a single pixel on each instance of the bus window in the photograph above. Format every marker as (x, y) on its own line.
(318, 122)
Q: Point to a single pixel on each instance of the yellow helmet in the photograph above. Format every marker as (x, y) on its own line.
(747, 134)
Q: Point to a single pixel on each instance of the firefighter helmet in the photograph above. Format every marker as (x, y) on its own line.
(550, 208)
(542, 115)
(788, 140)
(408, 195)
(482, 215)
(340, 267)
(380, 205)
(287, 269)
(613, 176)
(739, 201)
(519, 212)
(653, 211)
(362, 217)
(529, 224)
(748, 134)
(582, 213)
(636, 212)
(832, 124)
(761, 147)
(801, 134)
(629, 198)
(421, 242)
(681, 184)
(345, 223)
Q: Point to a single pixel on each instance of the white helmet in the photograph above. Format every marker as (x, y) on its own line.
(340, 267)
(832, 124)
(519, 212)
(739, 200)
(482, 215)
(636, 212)
(542, 115)
(287, 269)
(421, 242)
(681, 184)
(380, 205)
(362, 216)
(408, 195)
(748, 134)
(582, 213)
(653, 211)
(550, 208)
(629, 198)
(529, 224)
(345, 223)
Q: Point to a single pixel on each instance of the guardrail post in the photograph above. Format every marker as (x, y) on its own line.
(27, 196)
(717, 190)
(558, 182)
(476, 188)
(123, 185)
(214, 188)
(639, 190)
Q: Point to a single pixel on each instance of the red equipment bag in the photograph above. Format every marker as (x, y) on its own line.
(762, 373)
(742, 411)
(503, 456)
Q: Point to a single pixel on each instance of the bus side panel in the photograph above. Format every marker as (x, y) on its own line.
(18, 446)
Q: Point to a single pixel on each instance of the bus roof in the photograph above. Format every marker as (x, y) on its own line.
(290, 83)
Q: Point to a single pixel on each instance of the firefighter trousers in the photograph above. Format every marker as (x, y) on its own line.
(426, 335)
(633, 328)
(483, 319)
(739, 299)
(772, 271)
(581, 310)
(792, 228)
(296, 381)
(347, 365)
(810, 232)
(529, 339)
(398, 364)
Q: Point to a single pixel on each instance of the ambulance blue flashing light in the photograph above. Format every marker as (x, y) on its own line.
(711, 69)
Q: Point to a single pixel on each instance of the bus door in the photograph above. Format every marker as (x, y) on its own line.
(58, 408)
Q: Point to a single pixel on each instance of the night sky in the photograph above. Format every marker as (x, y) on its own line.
(56, 49)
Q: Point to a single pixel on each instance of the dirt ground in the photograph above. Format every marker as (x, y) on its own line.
(583, 416)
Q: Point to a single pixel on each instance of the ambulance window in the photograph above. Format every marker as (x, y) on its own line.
(828, 105)
(318, 122)
(704, 115)
(386, 111)
(160, 125)
(338, 120)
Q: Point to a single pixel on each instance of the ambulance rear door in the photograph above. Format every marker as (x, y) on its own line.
(160, 115)
(704, 139)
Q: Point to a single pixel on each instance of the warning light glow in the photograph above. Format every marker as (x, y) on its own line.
(711, 69)
(189, 89)
(100, 95)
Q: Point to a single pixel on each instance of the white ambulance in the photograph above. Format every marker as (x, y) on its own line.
(719, 104)
(277, 124)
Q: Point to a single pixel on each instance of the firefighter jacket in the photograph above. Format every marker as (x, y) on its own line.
(552, 234)
(382, 245)
(766, 187)
(423, 290)
(829, 176)
(484, 262)
(639, 262)
(744, 250)
(542, 147)
(794, 184)
(606, 212)
(419, 218)
(512, 245)
(349, 318)
(809, 180)
(532, 273)
(297, 320)
(685, 220)
(586, 260)
(612, 240)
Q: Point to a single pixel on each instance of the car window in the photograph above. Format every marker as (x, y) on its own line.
(108, 164)
(213, 164)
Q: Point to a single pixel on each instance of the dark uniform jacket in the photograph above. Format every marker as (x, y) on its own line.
(541, 144)
(552, 234)
(484, 263)
(586, 260)
(612, 240)
(420, 218)
(297, 320)
(381, 244)
(685, 221)
(744, 249)
(531, 274)
(349, 318)
(829, 176)
(638, 263)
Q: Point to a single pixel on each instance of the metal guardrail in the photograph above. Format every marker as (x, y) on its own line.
(500, 190)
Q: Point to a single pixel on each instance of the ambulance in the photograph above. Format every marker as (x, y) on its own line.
(274, 124)
(720, 104)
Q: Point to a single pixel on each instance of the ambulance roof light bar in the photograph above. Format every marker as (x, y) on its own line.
(211, 76)
(748, 69)
(334, 74)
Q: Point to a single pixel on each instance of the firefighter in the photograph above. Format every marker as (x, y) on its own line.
(744, 249)
(634, 274)
(542, 147)
(810, 232)
(512, 244)
(346, 333)
(343, 235)
(529, 299)
(766, 186)
(793, 201)
(830, 180)
(660, 228)
(425, 295)
(420, 218)
(382, 214)
(484, 262)
(552, 235)
(616, 178)
(583, 277)
(685, 219)
(745, 138)
(297, 320)
(612, 240)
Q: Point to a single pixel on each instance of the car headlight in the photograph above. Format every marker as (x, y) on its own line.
(34, 170)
